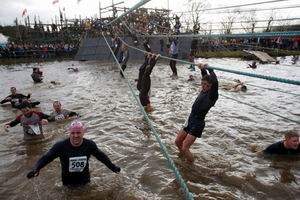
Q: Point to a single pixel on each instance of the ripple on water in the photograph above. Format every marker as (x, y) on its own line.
(227, 166)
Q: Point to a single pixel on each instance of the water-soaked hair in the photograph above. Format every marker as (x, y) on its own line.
(207, 78)
(57, 102)
(291, 134)
(25, 104)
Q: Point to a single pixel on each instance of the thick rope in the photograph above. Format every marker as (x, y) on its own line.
(273, 89)
(188, 194)
(248, 104)
(143, 35)
(238, 35)
(270, 78)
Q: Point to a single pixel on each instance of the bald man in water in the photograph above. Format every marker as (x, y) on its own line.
(74, 154)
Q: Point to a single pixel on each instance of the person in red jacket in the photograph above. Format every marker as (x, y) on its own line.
(31, 121)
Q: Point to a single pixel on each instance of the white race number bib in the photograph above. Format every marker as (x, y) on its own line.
(77, 164)
(59, 117)
(34, 130)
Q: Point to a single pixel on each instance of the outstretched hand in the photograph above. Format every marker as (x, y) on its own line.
(202, 66)
(157, 56)
(117, 169)
(32, 174)
(6, 126)
(44, 121)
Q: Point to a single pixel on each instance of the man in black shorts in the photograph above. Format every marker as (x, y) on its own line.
(289, 146)
(195, 124)
(74, 154)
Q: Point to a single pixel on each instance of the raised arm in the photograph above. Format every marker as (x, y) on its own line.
(125, 57)
(215, 85)
(203, 72)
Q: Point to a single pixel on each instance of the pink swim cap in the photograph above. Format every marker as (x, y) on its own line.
(76, 124)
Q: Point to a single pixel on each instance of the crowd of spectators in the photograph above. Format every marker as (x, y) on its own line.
(287, 43)
(12, 50)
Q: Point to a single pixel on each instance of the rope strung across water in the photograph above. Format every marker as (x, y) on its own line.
(273, 89)
(248, 104)
(235, 35)
(270, 78)
(140, 34)
(188, 194)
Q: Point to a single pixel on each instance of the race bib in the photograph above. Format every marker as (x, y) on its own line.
(34, 130)
(15, 100)
(59, 117)
(77, 164)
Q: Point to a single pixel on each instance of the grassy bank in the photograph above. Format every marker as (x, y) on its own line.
(242, 54)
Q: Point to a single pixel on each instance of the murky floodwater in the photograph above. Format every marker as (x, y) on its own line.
(227, 164)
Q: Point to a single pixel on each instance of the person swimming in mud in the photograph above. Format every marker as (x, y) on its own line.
(31, 121)
(74, 154)
(253, 65)
(236, 87)
(73, 69)
(16, 99)
(195, 123)
(289, 146)
(191, 78)
(37, 75)
(59, 113)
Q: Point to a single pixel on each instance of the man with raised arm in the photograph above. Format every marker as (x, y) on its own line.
(195, 124)
(16, 99)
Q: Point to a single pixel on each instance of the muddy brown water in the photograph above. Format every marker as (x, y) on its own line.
(227, 165)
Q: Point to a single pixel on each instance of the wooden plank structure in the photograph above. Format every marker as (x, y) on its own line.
(262, 56)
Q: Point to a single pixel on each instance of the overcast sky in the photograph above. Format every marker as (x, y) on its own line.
(10, 9)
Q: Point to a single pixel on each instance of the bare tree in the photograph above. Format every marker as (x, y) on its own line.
(227, 23)
(270, 22)
(283, 25)
(196, 8)
(249, 22)
(187, 23)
